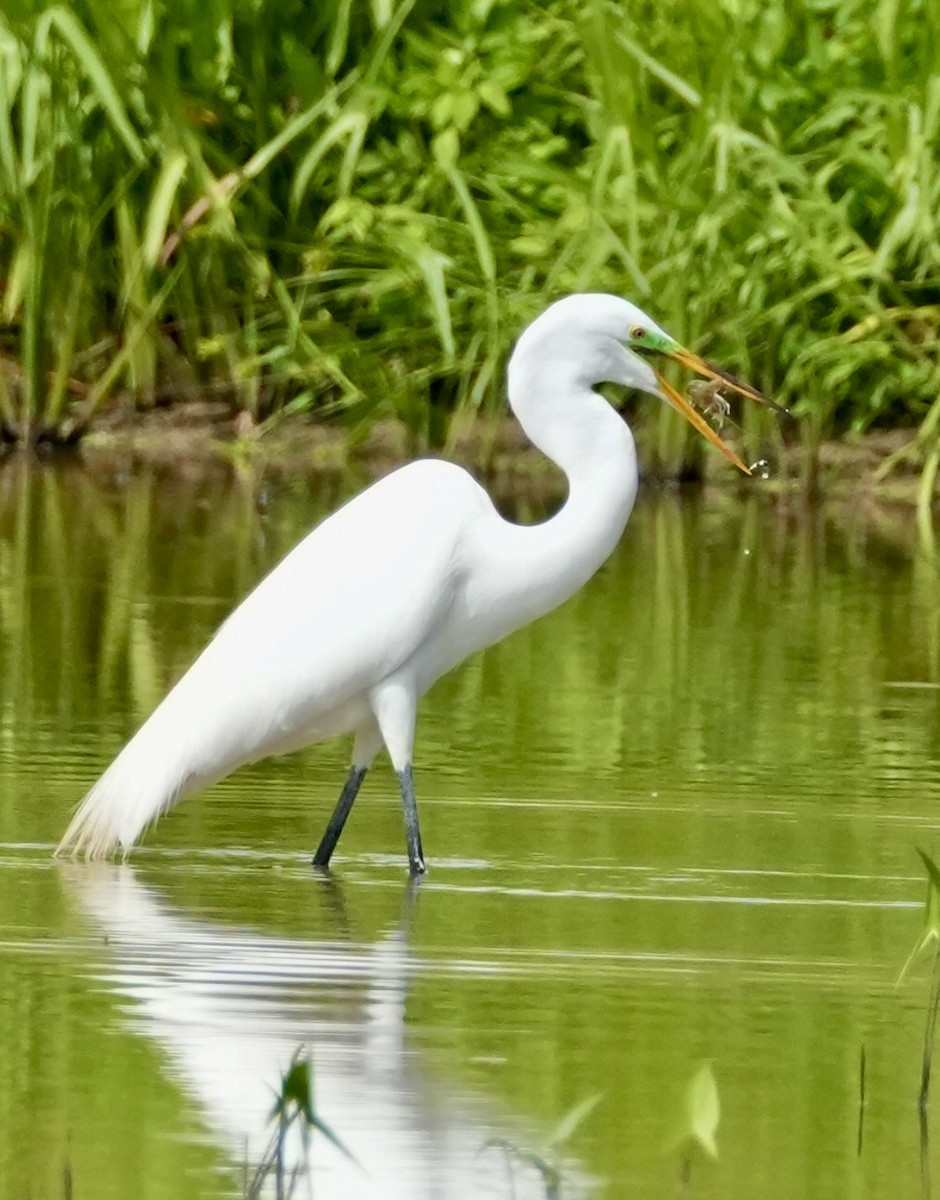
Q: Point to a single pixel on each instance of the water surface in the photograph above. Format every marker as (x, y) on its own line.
(673, 822)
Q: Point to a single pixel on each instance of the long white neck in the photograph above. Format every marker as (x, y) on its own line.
(533, 569)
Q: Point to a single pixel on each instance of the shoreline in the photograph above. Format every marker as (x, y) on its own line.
(203, 436)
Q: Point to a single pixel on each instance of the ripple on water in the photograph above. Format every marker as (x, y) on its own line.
(674, 821)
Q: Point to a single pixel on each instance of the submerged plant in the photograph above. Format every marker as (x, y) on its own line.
(293, 1109)
(697, 1125)
(929, 939)
(545, 1160)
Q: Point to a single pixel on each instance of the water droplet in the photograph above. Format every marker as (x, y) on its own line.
(761, 468)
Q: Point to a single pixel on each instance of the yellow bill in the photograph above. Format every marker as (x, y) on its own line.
(700, 365)
(704, 367)
(697, 421)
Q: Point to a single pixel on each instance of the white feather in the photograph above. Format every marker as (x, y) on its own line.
(295, 662)
(398, 586)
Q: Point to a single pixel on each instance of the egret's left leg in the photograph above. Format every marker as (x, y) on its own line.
(367, 744)
(395, 704)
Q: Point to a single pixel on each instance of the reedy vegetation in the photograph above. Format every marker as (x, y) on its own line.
(387, 189)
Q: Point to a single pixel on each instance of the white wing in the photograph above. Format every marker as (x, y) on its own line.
(347, 607)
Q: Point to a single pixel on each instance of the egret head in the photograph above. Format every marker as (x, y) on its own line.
(597, 338)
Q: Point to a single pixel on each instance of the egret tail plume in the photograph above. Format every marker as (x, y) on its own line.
(401, 584)
(142, 782)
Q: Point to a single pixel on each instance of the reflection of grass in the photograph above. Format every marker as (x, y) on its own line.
(546, 1159)
(929, 939)
(695, 1132)
(107, 594)
(294, 1111)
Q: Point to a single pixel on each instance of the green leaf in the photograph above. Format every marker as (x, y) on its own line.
(161, 203)
(10, 76)
(319, 1124)
(481, 241)
(446, 148)
(432, 265)
(669, 78)
(351, 125)
(551, 1176)
(265, 155)
(572, 1119)
(703, 1109)
(82, 47)
(494, 97)
(304, 70)
(339, 35)
(20, 272)
(933, 874)
(297, 1089)
(930, 930)
(699, 1114)
(34, 92)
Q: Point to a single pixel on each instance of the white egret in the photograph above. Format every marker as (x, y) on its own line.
(400, 585)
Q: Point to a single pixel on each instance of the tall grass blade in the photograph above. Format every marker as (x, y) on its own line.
(157, 220)
(67, 25)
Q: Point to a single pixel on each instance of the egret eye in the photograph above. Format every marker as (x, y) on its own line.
(480, 577)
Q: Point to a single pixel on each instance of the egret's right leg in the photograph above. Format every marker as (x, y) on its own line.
(367, 744)
(340, 813)
(416, 864)
(395, 705)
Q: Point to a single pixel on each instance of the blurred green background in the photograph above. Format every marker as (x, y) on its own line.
(374, 195)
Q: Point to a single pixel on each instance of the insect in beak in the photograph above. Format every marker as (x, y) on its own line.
(702, 367)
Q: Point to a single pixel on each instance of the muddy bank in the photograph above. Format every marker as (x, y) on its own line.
(196, 437)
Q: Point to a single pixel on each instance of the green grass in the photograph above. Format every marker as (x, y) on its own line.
(372, 198)
(293, 1109)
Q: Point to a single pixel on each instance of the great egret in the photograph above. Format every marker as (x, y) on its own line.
(399, 585)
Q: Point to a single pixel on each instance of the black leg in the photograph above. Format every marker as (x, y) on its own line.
(338, 819)
(412, 832)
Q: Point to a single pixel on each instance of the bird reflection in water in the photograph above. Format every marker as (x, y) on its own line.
(231, 1007)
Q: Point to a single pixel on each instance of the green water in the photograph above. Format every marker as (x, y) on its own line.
(673, 822)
